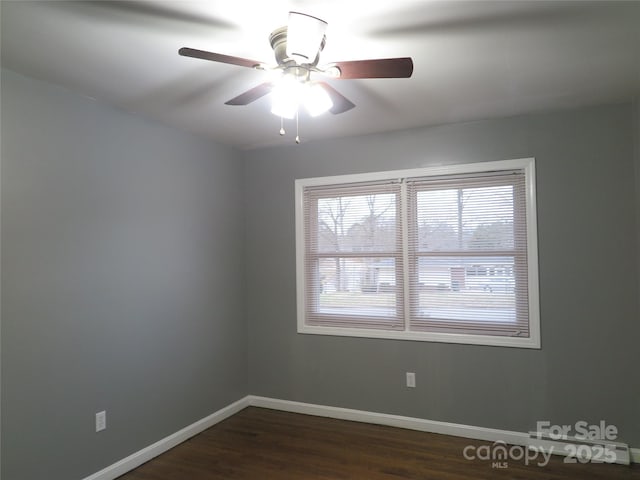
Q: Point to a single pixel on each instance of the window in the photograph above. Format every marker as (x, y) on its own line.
(443, 254)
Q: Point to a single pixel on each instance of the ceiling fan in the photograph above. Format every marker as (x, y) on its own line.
(297, 49)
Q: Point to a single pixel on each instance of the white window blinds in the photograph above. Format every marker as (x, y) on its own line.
(445, 254)
(353, 258)
(468, 254)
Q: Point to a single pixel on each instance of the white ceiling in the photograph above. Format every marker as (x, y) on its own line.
(473, 60)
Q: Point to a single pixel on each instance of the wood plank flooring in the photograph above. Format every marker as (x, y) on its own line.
(258, 444)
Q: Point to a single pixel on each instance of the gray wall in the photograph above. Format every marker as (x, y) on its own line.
(587, 367)
(122, 281)
(636, 119)
(133, 256)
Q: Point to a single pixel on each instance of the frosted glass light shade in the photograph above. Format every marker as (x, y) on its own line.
(286, 96)
(317, 100)
(289, 94)
(304, 37)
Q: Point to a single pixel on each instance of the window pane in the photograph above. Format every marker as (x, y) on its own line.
(466, 288)
(357, 286)
(479, 218)
(362, 223)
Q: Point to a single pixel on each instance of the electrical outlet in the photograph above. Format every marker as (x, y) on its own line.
(411, 380)
(101, 421)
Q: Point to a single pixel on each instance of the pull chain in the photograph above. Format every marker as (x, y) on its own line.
(282, 131)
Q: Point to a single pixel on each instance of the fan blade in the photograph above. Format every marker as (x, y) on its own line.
(251, 95)
(218, 57)
(341, 103)
(377, 68)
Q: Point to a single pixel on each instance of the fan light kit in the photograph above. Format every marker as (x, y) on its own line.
(297, 50)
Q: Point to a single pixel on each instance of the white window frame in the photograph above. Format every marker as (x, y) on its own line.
(525, 164)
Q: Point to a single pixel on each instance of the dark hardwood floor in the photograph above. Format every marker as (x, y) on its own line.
(258, 444)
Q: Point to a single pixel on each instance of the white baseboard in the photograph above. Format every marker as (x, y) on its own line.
(142, 456)
(458, 430)
(411, 423)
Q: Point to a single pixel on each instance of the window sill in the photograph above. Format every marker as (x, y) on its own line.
(517, 342)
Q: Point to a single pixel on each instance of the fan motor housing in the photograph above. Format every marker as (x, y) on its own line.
(278, 41)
